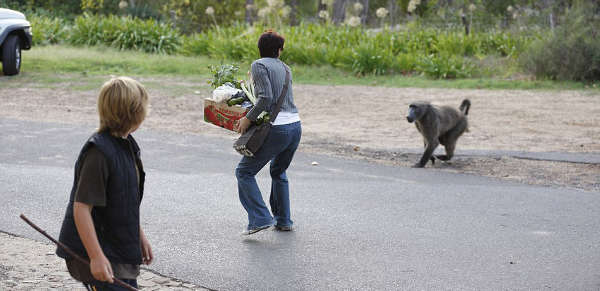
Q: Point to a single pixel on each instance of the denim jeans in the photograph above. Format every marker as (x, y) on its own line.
(279, 148)
(105, 286)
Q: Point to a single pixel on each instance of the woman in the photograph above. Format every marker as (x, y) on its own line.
(269, 74)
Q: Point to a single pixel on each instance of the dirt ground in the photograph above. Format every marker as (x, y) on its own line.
(369, 123)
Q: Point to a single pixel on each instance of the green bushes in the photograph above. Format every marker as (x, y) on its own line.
(47, 30)
(571, 52)
(434, 53)
(125, 33)
(431, 52)
(367, 59)
(234, 43)
(444, 67)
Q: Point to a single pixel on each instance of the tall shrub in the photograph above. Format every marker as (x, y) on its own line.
(571, 52)
(48, 30)
(437, 53)
(125, 33)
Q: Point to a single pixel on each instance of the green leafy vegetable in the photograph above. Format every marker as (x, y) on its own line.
(224, 74)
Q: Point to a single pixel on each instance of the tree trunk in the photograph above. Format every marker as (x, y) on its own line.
(321, 6)
(424, 10)
(249, 3)
(392, 12)
(339, 11)
(132, 4)
(173, 19)
(465, 23)
(548, 5)
(294, 12)
(364, 15)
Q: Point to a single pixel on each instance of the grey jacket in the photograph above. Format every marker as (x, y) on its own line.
(269, 76)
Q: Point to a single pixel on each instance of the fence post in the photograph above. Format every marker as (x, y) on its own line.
(249, 8)
(172, 13)
(465, 23)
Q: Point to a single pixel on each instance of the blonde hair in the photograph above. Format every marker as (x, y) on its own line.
(122, 105)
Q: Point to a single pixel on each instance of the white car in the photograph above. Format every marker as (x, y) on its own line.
(15, 35)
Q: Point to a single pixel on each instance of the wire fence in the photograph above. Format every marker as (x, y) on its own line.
(482, 23)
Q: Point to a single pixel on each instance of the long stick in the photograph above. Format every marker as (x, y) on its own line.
(70, 252)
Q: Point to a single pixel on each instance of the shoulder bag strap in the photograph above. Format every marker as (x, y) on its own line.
(282, 96)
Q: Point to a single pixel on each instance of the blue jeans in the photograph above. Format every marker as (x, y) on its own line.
(105, 286)
(279, 149)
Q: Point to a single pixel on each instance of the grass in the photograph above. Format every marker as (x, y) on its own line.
(107, 61)
(86, 67)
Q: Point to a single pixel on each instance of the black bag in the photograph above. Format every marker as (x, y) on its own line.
(250, 142)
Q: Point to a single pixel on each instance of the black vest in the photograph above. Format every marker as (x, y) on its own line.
(118, 224)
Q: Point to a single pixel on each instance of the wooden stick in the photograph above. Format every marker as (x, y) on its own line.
(72, 253)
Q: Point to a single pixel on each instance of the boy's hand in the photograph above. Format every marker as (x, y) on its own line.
(147, 255)
(101, 269)
(99, 264)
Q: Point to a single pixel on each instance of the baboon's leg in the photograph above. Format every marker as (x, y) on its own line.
(432, 158)
(449, 152)
(450, 139)
(428, 126)
(427, 155)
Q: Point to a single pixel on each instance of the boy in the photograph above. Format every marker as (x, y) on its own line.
(102, 220)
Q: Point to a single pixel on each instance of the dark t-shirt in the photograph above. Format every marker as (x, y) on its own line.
(91, 190)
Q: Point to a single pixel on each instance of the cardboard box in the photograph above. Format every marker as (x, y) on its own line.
(220, 114)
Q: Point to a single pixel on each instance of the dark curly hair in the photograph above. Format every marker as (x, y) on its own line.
(269, 44)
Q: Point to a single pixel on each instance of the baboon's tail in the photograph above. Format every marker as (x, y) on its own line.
(464, 106)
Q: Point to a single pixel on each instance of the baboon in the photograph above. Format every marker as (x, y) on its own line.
(438, 125)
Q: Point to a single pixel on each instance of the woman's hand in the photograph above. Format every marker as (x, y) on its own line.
(147, 256)
(242, 125)
(101, 269)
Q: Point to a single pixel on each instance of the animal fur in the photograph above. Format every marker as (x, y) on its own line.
(438, 125)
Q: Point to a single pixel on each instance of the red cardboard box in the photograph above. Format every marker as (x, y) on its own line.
(220, 114)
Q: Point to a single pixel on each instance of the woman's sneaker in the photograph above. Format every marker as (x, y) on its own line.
(283, 228)
(255, 230)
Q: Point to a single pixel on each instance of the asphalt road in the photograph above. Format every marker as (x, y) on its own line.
(359, 226)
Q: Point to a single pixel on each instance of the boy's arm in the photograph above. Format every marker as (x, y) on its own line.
(147, 255)
(99, 264)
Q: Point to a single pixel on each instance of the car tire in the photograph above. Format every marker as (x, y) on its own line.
(11, 55)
